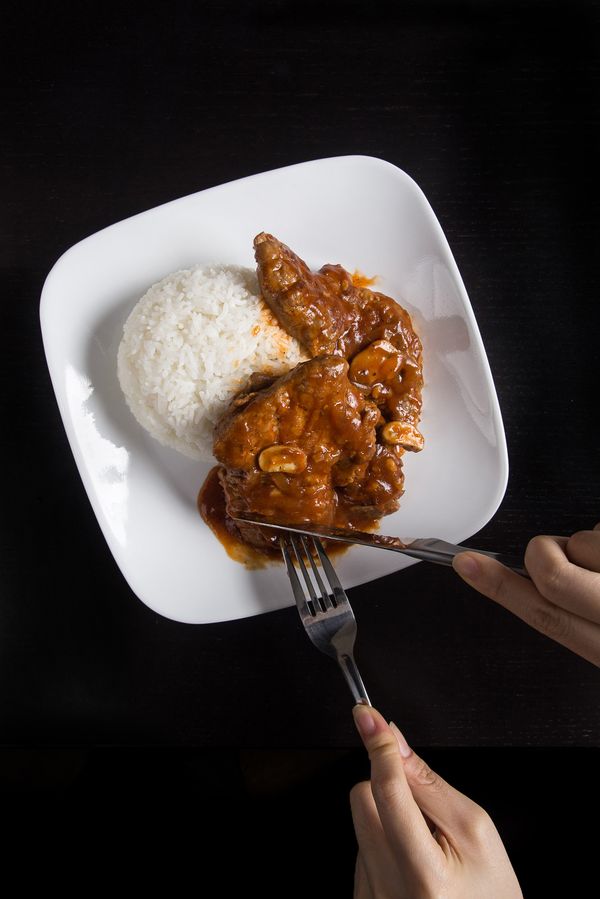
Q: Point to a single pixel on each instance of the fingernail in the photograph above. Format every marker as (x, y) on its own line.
(466, 566)
(364, 721)
(405, 750)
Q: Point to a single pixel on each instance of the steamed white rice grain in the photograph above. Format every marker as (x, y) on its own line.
(190, 344)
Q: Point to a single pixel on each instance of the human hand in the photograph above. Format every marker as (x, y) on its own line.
(562, 599)
(418, 837)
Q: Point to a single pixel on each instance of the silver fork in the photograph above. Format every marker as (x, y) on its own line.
(325, 611)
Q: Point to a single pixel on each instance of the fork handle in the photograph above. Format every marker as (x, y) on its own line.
(353, 678)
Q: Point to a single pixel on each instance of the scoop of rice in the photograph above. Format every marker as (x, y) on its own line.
(190, 344)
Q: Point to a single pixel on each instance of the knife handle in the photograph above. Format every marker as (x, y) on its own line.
(442, 552)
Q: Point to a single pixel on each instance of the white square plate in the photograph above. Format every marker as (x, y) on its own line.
(358, 211)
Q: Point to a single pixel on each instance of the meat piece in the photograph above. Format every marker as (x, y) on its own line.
(328, 314)
(305, 450)
(324, 443)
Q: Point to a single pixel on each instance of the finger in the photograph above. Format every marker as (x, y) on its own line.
(376, 864)
(560, 581)
(453, 813)
(407, 833)
(583, 549)
(362, 890)
(522, 598)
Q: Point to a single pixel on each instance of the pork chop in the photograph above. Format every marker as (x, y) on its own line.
(305, 450)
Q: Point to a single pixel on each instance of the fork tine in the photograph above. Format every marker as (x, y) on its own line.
(297, 590)
(334, 582)
(310, 553)
(295, 541)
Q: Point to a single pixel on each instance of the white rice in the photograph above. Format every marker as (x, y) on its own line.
(190, 344)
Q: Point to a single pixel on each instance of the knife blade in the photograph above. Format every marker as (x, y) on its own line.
(429, 549)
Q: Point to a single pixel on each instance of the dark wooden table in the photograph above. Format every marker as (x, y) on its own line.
(493, 110)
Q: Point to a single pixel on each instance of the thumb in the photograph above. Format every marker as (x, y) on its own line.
(403, 824)
(453, 813)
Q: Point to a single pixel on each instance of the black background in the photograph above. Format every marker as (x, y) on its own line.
(493, 109)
